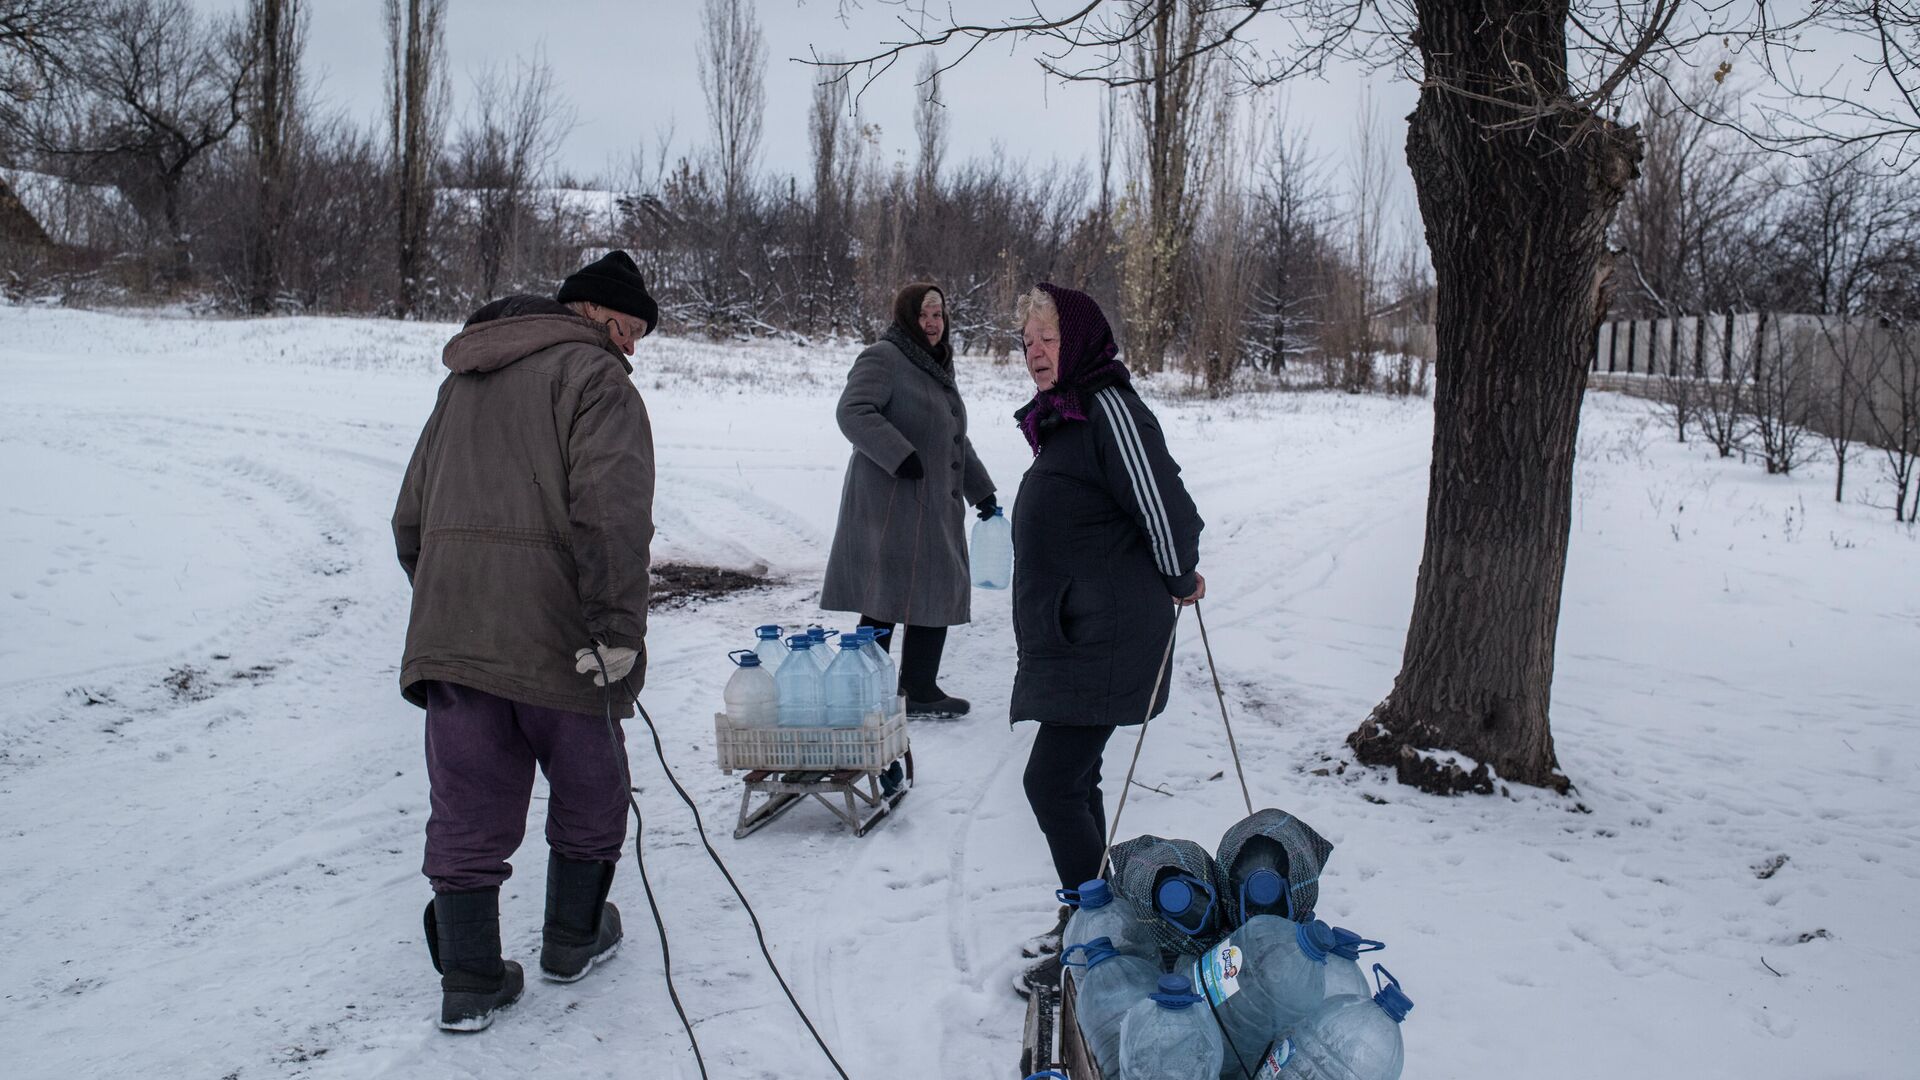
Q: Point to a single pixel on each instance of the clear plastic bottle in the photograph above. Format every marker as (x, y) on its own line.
(1265, 978)
(767, 644)
(886, 679)
(1343, 965)
(1170, 1036)
(1098, 914)
(992, 552)
(849, 685)
(802, 691)
(1257, 880)
(751, 698)
(1109, 983)
(822, 654)
(1349, 1038)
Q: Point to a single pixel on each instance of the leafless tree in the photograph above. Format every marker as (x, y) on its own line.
(515, 127)
(1853, 354)
(37, 39)
(732, 58)
(1292, 226)
(1364, 286)
(149, 90)
(1893, 412)
(278, 32)
(929, 130)
(1783, 390)
(416, 122)
(1170, 106)
(1223, 294)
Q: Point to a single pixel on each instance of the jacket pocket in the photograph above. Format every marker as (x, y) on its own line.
(1038, 600)
(1087, 613)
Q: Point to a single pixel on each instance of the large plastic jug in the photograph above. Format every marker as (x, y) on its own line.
(1265, 978)
(802, 690)
(1349, 1038)
(1257, 879)
(751, 698)
(849, 685)
(1187, 904)
(767, 644)
(1170, 1036)
(1109, 983)
(1271, 840)
(1343, 965)
(822, 654)
(1098, 914)
(886, 679)
(992, 553)
(1140, 868)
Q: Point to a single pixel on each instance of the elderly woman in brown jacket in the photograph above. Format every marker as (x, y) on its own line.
(899, 553)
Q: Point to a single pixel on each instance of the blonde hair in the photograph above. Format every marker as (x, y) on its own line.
(1036, 304)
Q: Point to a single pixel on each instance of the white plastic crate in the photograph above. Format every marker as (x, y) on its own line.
(796, 748)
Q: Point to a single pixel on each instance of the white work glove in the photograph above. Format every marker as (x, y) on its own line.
(619, 661)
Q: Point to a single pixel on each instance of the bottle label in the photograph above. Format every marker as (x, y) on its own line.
(1219, 972)
(1276, 1058)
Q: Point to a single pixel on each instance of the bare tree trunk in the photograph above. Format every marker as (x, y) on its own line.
(1516, 221)
(416, 32)
(276, 32)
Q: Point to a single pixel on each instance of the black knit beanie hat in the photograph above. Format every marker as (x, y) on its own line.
(612, 281)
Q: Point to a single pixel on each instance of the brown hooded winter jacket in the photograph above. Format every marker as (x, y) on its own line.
(526, 514)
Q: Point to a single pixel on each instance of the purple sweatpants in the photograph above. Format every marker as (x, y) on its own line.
(481, 751)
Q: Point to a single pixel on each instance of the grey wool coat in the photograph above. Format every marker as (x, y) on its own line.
(900, 548)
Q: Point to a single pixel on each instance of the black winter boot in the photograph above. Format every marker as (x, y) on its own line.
(583, 928)
(463, 937)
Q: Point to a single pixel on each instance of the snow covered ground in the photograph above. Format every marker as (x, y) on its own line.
(211, 793)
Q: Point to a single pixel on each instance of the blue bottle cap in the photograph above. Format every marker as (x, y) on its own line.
(1264, 888)
(767, 633)
(745, 657)
(1174, 895)
(799, 641)
(851, 641)
(1316, 940)
(1091, 894)
(1391, 999)
(1174, 992)
(999, 511)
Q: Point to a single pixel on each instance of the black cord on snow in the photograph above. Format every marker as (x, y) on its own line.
(639, 828)
(700, 826)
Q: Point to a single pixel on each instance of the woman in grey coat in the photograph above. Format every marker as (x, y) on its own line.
(900, 549)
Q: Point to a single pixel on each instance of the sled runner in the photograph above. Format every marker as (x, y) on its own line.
(1051, 1040)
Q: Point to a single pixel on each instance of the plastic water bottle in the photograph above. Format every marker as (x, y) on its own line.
(886, 678)
(1349, 1038)
(802, 690)
(1109, 983)
(752, 699)
(1257, 880)
(822, 655)
(992, 554)
(1166, 1038)
(1268, 976)
(849, 685)
(767, 644)
(1098, 915)
(1187, 904)
(1343, 965)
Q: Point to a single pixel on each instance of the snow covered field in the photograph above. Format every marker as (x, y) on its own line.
(212, 796)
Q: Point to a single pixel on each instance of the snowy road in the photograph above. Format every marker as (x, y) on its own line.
(211, 794)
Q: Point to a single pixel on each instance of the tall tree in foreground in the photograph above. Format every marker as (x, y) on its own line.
(1518, 169)
(416, 119)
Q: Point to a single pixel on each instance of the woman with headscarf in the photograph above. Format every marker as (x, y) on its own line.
(899, 553)
(1105, 543)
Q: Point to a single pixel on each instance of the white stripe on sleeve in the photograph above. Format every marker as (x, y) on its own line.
(1133, 454)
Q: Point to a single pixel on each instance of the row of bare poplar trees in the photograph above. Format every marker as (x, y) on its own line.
(1208, 226)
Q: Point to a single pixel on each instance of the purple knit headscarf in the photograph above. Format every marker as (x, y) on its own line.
(1088, 361)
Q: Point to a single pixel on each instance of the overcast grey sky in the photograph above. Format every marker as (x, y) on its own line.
(628, 70)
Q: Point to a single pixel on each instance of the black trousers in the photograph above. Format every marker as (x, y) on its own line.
(1063, 787)
(919, 657)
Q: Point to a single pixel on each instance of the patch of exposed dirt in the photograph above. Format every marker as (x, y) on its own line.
(677, 585)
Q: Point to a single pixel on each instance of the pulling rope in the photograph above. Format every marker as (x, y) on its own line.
(1159, 679)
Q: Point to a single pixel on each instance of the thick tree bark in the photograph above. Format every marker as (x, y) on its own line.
(1516, 219)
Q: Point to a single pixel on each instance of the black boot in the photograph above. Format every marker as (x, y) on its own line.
(463, 937)
(582, 927)
(920, 675)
